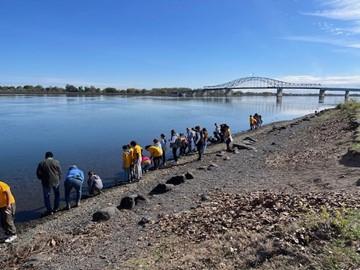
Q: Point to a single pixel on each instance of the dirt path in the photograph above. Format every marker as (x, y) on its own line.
(294, 157)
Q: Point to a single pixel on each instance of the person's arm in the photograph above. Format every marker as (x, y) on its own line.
(8, 195)
(39, 172)
(58, 168)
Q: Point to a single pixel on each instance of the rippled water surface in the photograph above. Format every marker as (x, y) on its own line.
(89, 131)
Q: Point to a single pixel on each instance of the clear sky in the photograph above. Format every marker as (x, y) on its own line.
(192, 43)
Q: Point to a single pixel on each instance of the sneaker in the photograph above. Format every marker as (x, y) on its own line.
(10, 238)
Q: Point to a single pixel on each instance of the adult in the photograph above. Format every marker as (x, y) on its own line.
(163, 143)
(190, 138)
(199, 141)
(7, 212)
(49, 172)
(95, 184)
(156, 153)
(137, 158)
(217, 133)
(174, 144)
(205, 138)
(74, 180)
(228, 137)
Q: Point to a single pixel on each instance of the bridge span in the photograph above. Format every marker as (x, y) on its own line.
(258, 83)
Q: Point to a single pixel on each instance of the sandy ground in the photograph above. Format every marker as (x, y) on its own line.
(295, 157)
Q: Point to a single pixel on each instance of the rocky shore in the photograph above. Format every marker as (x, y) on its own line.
(286, 198)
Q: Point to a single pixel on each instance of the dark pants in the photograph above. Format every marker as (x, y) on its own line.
(157, 161)
(174, 151)
(228, 142)
(71, 183)
(200, 149)
(164, 157)
(46, 194)
(7, 220)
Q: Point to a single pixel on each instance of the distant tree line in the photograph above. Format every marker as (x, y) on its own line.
(92, 90)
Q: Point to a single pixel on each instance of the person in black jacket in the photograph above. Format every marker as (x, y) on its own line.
(49, 172)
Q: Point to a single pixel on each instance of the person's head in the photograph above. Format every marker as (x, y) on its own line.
(155, 141)
(204, 129)
(91, 173)
(187, 129)
(197, 128)
(181, 134)
(173, 132)
(133, 143)
(125, 147)
(49, 155)
(72, 167)
(147, 147)
(216, 124)
(162, 136)
(250, 115)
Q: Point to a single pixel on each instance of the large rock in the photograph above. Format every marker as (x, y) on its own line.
(130, 201)
(189, 175)
(161, 188)
(241, 146)
(249, 139)
(176, 180)
(104, 214)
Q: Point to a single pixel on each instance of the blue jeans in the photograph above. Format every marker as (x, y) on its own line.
(46, 194)
(71, 183)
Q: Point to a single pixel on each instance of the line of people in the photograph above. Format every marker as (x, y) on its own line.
(135, 163)
(196, 139)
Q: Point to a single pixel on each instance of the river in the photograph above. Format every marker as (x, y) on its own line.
(89, 131)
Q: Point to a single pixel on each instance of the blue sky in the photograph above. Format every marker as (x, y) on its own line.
(192, 43)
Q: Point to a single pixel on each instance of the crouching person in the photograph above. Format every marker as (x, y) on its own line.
(74, 179)
(7, 212)
(95, 184)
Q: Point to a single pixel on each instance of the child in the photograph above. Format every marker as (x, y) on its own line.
(163, 143)
(7, 212)
(145, 163)
(95, 184)
(127, 162)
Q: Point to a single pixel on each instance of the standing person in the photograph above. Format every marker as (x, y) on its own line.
(7, 212)
(163, 143)
(127, 162)
(74, 179)
(49, 172)
(217, 133)
(95, 184)
(251, 120)
(260, 120)
(174, 144)
(183, 144)
(190, 138)
(137, 158)
(199, 141)
(205, 138)
(228, 137)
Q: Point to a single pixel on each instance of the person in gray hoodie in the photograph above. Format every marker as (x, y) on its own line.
(49, 172)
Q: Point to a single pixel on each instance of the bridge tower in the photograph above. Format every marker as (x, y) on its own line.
(279, 92)
(321, 95)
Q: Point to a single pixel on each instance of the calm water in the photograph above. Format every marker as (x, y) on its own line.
(89, 131)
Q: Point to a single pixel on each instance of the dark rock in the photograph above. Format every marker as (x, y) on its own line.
(202, 168)
(176, 180)
(204, 197)
(160, 189)
(273, 143)
(144, 220)
(226, 158)
(317, 180)
(189, 175)
(104, 214)
(358, 183)
(212, 166)
(130, 201)
(306, 119)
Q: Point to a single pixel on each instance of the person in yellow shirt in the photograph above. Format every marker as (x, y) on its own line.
(137, 157)
(156, 153)
(7, 212)
(127, 162)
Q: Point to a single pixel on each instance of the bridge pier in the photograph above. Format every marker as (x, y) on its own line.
(347, 95)
(321, 95)
(228, 92)
(279, 92)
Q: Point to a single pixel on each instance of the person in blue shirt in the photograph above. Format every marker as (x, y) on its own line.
(74, 179)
